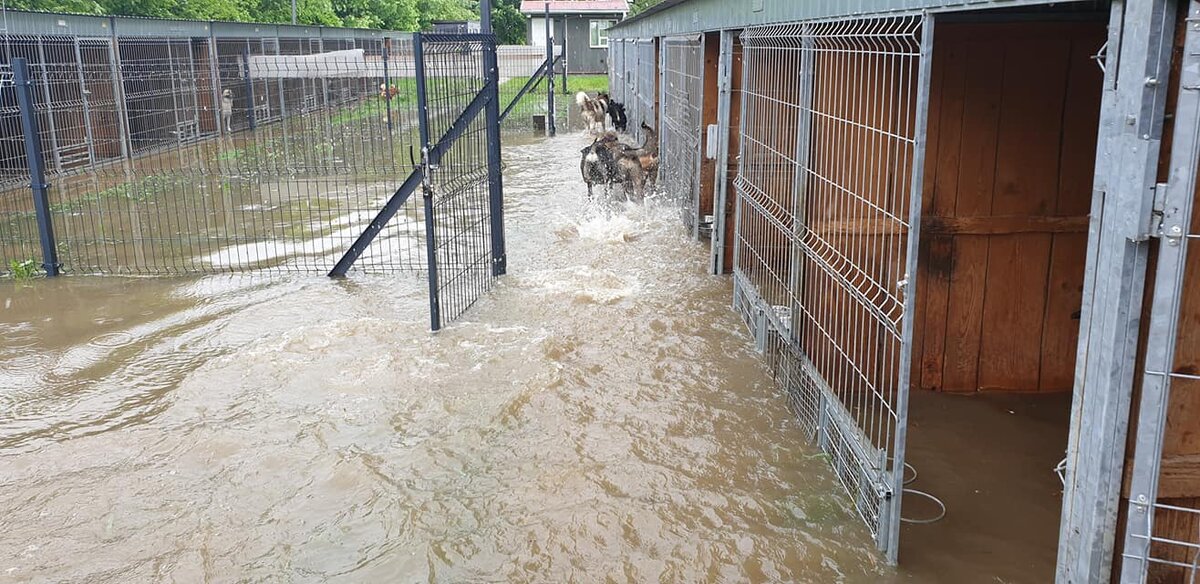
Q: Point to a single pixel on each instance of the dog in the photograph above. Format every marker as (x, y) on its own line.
(592, 109)
(598, 165)
(609, 161)
(388, 93)
(616, 113)
(227, 109)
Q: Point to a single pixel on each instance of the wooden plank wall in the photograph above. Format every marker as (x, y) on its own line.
(1014, 109)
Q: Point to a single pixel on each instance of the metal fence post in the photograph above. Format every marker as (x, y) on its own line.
(550, 129)
(566, 36)
(1131, 120)
(492, 112)
(37, 168)
(435, 316)
(249, 87)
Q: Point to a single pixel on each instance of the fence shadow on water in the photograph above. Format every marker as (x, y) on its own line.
(177, 156)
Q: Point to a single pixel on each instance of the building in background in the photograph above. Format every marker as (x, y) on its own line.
(455, 26)
(581, 26)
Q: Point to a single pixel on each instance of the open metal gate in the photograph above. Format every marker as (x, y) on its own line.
(1160, 525)
(647, 88)
(682, 93)
(459, 173)
(832, 146)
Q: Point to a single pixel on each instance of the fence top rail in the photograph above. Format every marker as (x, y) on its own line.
(42, 23)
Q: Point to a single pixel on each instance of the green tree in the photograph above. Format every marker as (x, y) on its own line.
(231, 10)
(154, 8)
(636, 6)
(396, 14)
(431, 10)
(508, 23)
(71, 6)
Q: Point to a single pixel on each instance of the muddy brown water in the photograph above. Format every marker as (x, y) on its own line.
(600, 416)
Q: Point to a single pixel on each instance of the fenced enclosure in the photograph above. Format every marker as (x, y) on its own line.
(826, 233)
(682, 94)
(173, 155)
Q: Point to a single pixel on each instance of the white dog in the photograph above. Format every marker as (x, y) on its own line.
(593, 110)
(227, 109)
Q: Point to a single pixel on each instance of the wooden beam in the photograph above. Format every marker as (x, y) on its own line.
(1003, 225)
(1179, 477)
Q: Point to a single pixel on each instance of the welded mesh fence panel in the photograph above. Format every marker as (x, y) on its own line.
(679, 140)
(616, 72)
(518, 65)
(180, 156)
(455, 78)
(647, 89)
(1162, 530)
(633, 89)
(18, 225)
(828, 148)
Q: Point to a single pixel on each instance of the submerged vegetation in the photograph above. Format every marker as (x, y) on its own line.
(21, 270)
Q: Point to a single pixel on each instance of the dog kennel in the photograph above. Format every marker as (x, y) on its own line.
(911, 202)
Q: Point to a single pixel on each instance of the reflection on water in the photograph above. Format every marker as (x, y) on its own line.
(599, 416)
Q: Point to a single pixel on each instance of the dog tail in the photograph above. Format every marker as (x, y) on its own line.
(581, 98)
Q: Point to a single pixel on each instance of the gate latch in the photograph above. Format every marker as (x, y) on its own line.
(1164, 218)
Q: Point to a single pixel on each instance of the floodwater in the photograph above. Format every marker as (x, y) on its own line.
(600, 416)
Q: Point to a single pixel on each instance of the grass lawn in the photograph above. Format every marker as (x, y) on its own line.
(588, 83)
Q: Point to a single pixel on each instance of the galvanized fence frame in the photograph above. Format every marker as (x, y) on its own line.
(1144, 546)
(681, 103)
(832, 145)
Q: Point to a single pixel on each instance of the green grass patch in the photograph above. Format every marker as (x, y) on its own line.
(589, 83)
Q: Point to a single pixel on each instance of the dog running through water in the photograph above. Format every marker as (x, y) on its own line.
(607, 161)
(592, 109)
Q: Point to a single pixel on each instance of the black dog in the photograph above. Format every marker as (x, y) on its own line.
(597, 165)
(615, 111)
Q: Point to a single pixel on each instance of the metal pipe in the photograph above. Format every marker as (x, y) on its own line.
(249, 87)
(492, 112)
(37, 168)
(435, 316)
(550, 129)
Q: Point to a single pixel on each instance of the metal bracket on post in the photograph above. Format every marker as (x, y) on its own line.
(37, 166)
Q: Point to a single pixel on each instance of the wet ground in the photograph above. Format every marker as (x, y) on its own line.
(600, 416)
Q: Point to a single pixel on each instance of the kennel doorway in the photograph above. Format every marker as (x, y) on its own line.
(1011, 146)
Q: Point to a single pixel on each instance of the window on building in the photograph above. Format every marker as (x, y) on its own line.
(598, 33)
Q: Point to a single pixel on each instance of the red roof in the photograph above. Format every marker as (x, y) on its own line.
(535, 7)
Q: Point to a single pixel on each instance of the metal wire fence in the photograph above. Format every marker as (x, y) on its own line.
(201, 155)
(828, 147)
(682, 94)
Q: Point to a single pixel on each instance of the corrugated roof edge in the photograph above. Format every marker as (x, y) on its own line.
(661, 6)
